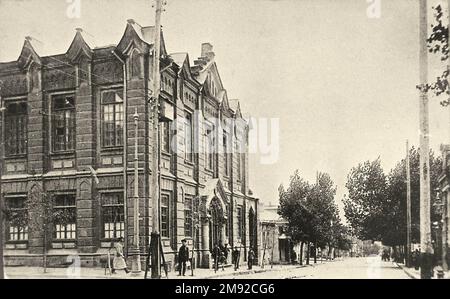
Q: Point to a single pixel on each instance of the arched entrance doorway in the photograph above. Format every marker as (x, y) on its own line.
(216, 223)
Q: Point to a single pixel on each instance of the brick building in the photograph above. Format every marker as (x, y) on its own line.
(69, 132)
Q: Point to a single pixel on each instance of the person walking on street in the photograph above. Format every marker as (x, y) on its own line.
(119, 259)
(235, 258)
(216, 256)
(251, 258)
(183, 257)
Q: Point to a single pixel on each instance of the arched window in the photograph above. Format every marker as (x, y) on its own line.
(136, 64)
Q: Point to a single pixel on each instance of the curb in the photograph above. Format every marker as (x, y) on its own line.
(406, 272)
(259, 271)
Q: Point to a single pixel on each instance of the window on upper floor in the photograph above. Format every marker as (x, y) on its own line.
(166, 137)
(63, 123)
(238, 161)
(226, 157)
(189, 137)
(16, 128)
(136, 64)
(112, 118)
(210, 145)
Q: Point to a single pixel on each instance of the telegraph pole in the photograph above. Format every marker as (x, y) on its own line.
(2, 271)
(426, 248)
(408, 208)
(136, 262)
(155, 237)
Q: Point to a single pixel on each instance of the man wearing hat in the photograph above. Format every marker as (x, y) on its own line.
(183, 257)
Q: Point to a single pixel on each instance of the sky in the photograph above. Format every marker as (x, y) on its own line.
(341, 83)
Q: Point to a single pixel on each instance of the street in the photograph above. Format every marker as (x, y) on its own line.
(351, 268)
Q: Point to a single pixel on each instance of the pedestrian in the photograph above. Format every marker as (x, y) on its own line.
(119, 259)
(226, 252)
(235, 258)
(416, 259)
(251, 258)
(216, 256)
(183, 257)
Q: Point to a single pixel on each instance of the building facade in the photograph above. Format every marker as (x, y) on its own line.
(68, 128)
(277, 246)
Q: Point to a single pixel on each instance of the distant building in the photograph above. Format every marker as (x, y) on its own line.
(69, 132)
(276, 244)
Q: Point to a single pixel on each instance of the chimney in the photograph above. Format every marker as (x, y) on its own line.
(131, 21)
(207, 51)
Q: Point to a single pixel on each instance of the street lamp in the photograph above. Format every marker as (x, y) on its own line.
(135, 252)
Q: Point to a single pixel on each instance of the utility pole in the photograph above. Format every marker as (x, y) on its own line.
(2, 271)
(136, 253)
(408, 208)
(426, 248)
(155, 237)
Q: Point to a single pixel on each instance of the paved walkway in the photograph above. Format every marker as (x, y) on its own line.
(97, 273)
(415, 274)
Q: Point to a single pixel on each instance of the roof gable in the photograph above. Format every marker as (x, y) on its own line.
(79, 47)
(28, 54)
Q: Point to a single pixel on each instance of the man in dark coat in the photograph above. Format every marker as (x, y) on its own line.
(235, 258)
(251, 258)
(216, 256)
(183, 257)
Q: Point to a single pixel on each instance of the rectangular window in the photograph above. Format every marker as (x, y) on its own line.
(238, 160)
(112, 118)
(188, 217)
(65, 217)
(165, 215)
(240, 222)
(165, 136)
(63, 123)
(225, 153)
(113, 215)
(227, 225)
(16, 128)
(189, 140)
(17, 216)
(210, 148)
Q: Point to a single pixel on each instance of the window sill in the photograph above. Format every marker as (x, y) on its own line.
(187, 162)
(166, 154)
(111, 149)
(63, 153)
(15, 157)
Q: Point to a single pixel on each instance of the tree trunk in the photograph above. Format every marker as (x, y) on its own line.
(308, 249)
(301, 253)
(315, 252)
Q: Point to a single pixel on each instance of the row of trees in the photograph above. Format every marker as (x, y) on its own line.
(312, 214)
(376, 203)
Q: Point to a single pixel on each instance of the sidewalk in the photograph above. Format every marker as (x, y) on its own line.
(98, 273)
(415, 274)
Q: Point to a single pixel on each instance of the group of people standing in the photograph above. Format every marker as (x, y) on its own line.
(220, 255)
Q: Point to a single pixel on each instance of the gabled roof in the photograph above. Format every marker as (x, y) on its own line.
(137, 36)
(236, 107)
(29, 52)
(82, 44)
(182, 61)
